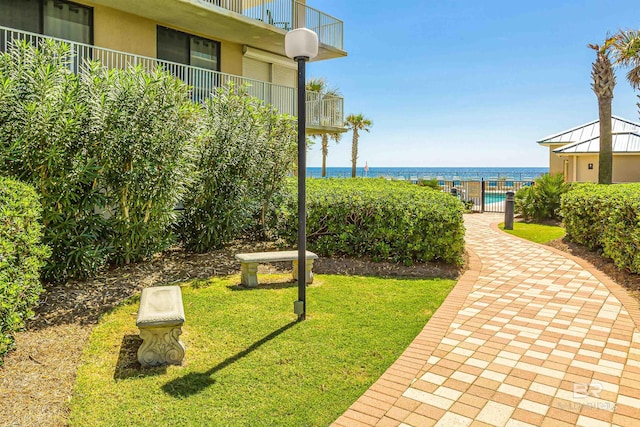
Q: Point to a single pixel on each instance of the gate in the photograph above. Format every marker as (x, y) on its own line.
(483, 196)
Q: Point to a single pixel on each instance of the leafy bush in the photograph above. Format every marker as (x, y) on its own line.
(21, 256)
(142, 124)
(541, 202)
(245, 150)
(386, 220)
(606, 218)
(275, 156)
(430, 183)
(108, 151)
(468, 205)
(112, 153)
(43, 141)
(585, 214)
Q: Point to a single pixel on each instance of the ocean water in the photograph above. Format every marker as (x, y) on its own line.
(444, 173)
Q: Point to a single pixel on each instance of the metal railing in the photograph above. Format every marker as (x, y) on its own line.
(326, 112)
(329, 29)
(202, 81)
(485, 196)
(287, 15)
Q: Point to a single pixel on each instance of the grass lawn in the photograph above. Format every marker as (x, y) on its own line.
(535, 232)
(248, 362)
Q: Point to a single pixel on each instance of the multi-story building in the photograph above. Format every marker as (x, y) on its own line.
(206, 43)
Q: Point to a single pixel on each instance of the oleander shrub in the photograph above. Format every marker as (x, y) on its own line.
(143, 124)
(606, 218)
(275, 154)
(21, 256)
(541, 201)
(44, 141)
(112, 153)
(385, 220)
(245, 151)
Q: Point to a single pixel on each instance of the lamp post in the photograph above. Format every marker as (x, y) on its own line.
(301, 45)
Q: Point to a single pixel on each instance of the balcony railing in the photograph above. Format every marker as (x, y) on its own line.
(324, 111)
(202, 81)
(287, 15)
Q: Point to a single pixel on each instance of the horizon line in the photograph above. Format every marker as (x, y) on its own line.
(437, 167)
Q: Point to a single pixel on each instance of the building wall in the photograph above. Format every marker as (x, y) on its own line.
(556, 163)
(231, 58)
(584, 174)
(267, 66)
(567, 169)
(121, 31)
(129, 33)
(626, 168)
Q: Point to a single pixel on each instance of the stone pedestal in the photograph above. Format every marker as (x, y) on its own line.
(308, 271)
(249, 275)
(160, 320)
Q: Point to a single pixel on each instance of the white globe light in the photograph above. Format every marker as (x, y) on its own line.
(301, 43)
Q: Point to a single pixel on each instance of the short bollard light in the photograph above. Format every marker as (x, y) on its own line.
(301, 45)
(509, 210)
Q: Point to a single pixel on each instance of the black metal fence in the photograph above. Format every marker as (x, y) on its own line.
(486, 196)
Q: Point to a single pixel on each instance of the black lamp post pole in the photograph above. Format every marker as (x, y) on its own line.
(302, 175)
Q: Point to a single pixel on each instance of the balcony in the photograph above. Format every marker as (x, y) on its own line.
(258, 23)
(322, 114)
(325, 113)
(287, 15)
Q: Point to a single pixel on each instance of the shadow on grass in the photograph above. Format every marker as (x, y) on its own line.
(128, 366)
(262, 286)
(195, 382)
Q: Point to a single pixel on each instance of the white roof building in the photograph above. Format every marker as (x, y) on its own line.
(574, 152)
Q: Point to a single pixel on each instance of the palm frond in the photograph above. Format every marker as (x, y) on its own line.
(626, 52)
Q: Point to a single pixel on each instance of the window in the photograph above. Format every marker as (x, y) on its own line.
(56, 18)
(21, 14)
(173, 46)
(204, 53)
(67, 21)
(176, 46)
(183, 48)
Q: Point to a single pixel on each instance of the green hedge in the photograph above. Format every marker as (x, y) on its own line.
(606, 218)
(386, 220)
(21, 257)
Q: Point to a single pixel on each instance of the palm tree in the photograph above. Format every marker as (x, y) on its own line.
(356, 123)
(604, 80)
(316, 84)
(626, 52)
(323, 91)
(324, 137)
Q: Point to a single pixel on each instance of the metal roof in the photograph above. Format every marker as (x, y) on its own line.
(627, 142)
(591, 130)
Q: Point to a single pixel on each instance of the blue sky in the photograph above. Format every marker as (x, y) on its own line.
(469, 82)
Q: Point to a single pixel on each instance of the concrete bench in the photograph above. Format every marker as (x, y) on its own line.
(160, 320)
(249, 265)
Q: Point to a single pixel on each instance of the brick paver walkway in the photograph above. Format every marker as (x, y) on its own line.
(529, 336)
